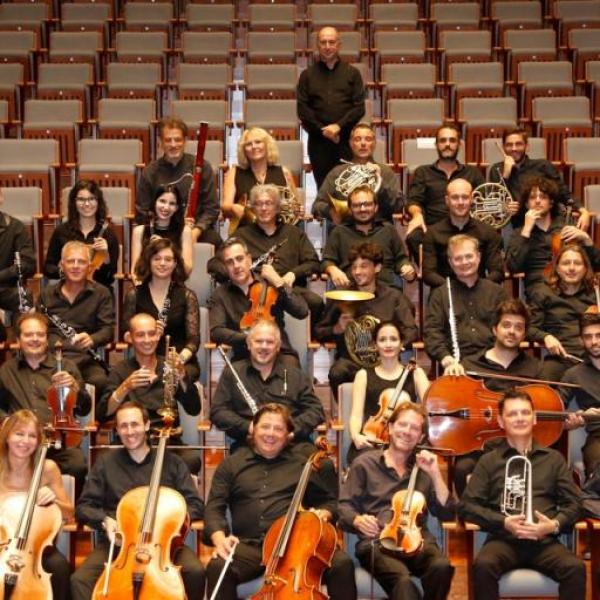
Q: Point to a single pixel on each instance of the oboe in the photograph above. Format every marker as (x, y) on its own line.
(240, 384)
(69, 333)
(24, 306)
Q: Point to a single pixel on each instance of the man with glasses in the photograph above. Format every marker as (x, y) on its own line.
(331, 101)
(388, 195)
(459, 199)
(426, 194)
(364, 226)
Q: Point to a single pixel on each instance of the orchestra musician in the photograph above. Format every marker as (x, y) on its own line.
(84, 305)
(556, 306)
(587, 395)
(459, 199)
(267, 380)
(257, 485)
(174, 169)
(25, 380)
(113, 474)
(164, 295)
(425, 203)
(512, 541)
(140, 378)
(257, 164)
(296, 258)
(389, 197)
(504, 357)
(473, 301)
(166, 219)
(13, 238)
(20, 438)
(87, 222)
(363, 225)
(370, 383)
(366, 504)
(389, 304)
(230, 301)
(516, 167)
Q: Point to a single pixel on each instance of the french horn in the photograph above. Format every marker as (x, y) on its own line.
(490, 204)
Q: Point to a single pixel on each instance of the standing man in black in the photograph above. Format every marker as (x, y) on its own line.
(331, 101)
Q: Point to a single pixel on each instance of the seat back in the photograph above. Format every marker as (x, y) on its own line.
(209, 17)
(207, 46)
(278, 117)
(198, 81)
(214, 112)
(271, 47)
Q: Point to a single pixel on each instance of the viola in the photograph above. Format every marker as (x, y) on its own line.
(463, 413)
(556, 242)
(26, 529)
(62, 401)
(298, 547)
(99, 256)
(376, 427)
(402, 535)
(149, 518)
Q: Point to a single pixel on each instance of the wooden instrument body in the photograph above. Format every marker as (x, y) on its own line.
(96, 262)
(297, 575)
(263, 297)
(402, 530)
(33, 583)
(463, 413)
(162, 579)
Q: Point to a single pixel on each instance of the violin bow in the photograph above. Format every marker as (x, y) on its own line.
(228, 561)
(492, 375)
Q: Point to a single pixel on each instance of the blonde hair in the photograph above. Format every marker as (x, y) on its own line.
(266, 137)
(17, 418)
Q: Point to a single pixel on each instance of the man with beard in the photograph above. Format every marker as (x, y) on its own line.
(388, 195)
(426, 193)
(587, 395)
(363, 226)
(459, 199)
(267, 380)
(474, 302)
(516, 167)
(373, 480)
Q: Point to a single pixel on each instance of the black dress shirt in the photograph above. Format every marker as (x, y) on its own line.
(152, 396)
(554, 492)
(115, 473)
(14, 237)
(288, 386)
(587, 376)
(428, 188)
(342, 237)
(65, 233)
(24, 387)
(258, 490)
(435, 250)
(161, 172)
(389, 304)
(371, 485)
(228, 304)
(475, 313)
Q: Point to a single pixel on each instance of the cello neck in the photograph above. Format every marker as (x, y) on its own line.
(153, 490)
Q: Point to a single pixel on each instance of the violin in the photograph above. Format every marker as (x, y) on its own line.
(299, 546)
(376, 426)
(463, 413)
(99, 256)
(26, 529)
(402, 535)
(556, 242)
(62, 401)
(148, 520)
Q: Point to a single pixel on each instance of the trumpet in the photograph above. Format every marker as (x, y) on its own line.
(170, 378)
(517, 498)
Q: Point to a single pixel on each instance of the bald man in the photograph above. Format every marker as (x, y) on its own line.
(331, 101)
(458, 200)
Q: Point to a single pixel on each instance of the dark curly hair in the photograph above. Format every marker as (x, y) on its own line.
(73, 214)
(143, 271)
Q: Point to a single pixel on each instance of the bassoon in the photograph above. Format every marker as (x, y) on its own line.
(194, 194)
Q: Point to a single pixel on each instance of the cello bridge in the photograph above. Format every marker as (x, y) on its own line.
(142, 556)
(15, 562)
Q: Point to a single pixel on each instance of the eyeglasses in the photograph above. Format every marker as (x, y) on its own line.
(265, 204)
(89, 200)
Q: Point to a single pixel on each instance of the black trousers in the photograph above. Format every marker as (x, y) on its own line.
(393, 573)
(591, 452)
(84, 579)
(70, 461)
(325, 154)
(246, 566)
(341, 371)
(56, 564)
(550, 557)
(211, 236)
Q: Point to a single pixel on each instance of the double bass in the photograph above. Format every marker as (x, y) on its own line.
(25, 530)
(149, 518)
(298, 547)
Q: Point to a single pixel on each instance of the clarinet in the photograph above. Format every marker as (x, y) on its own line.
(24, 306)
(452, 322)
(240, 384)
(267, 256)
(69, 333)
(163, 313)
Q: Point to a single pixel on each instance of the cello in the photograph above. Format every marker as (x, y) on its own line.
(21, 574)
(149, 518)
(299, 546)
